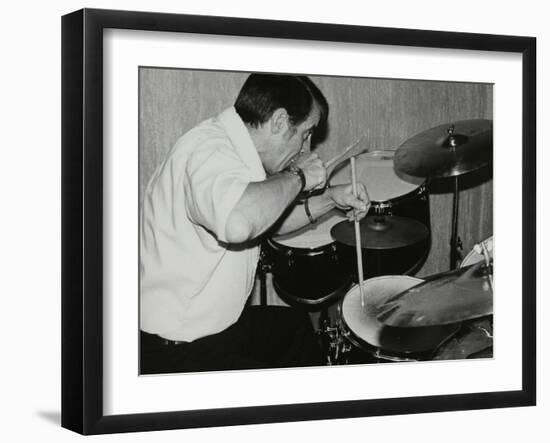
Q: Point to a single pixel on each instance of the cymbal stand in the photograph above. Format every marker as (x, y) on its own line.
(456, 242)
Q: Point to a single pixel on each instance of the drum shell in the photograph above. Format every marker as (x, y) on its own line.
(307, 276)
(363, 352)
(403, 260)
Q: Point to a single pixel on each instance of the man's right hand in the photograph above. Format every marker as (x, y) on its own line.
(314, 171)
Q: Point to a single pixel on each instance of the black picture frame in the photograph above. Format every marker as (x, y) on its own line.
(82, 218)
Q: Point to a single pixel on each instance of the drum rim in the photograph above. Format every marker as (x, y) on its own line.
(303, 251)
(376, 351)
(323, 219)
(385, 354)
(420, 189)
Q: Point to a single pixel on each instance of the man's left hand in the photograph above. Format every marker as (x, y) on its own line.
(356, 207)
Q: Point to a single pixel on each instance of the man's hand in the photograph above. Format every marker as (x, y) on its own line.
(314, 170)
(342, 196)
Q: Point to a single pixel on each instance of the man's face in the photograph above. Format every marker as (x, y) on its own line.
(296, 140)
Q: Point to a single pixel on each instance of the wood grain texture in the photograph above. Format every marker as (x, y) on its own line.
(386, 112)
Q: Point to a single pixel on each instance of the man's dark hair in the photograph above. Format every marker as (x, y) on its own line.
(262, 94)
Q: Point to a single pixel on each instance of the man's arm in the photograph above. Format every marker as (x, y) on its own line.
(335, 197)
(260, 206)
(297, 216)
(263, 203)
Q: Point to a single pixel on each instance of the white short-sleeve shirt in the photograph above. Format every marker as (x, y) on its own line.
(192, 283)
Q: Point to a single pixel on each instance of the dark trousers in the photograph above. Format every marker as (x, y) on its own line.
(263, 337)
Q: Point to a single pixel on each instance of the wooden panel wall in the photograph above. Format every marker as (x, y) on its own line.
(387, 112)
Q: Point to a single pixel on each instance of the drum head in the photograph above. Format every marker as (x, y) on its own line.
(363, 322)
(375, 170)
(312, 236)
(474, 257)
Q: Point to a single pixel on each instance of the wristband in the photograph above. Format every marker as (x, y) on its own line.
(308, 212)
(299, 173)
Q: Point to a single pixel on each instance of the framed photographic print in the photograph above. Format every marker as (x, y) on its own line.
(227, 183)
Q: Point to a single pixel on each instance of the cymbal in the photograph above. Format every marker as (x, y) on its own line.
(447, 150)
(450, 297)
(381, 232)
(360, 318)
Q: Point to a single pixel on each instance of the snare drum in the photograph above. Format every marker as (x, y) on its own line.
(305, 264)
(360, 326)
(390, 194)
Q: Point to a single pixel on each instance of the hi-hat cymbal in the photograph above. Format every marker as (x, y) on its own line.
(447, 150)
(451, 297)
(381, 232)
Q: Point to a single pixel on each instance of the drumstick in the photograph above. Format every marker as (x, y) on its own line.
(357, 235)
(349, 151)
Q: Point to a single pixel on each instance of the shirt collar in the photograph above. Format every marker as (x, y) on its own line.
(240, 137)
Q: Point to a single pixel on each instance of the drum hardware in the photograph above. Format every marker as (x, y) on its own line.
(455, 242)
(383, 208)
(476, 254)
(289, 258)
(334, 253)
(449, 297)
(343, 345)
(448, 150)
(481, 248)
(264, 267)
(334, 344)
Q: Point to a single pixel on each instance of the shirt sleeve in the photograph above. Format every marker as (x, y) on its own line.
(216, 178)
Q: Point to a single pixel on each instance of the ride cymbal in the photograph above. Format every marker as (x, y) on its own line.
(447, 150)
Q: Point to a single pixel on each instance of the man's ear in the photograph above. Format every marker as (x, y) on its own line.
(279, 121)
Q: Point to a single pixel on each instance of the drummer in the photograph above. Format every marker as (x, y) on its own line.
(225, 183)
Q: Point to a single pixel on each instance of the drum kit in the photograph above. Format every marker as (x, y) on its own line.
(391, 315)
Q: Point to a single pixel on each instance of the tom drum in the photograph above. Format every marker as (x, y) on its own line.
(306, 264)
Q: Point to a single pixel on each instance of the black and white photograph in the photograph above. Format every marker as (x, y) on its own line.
(246, 222)
(278, 221)
(294, 220)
